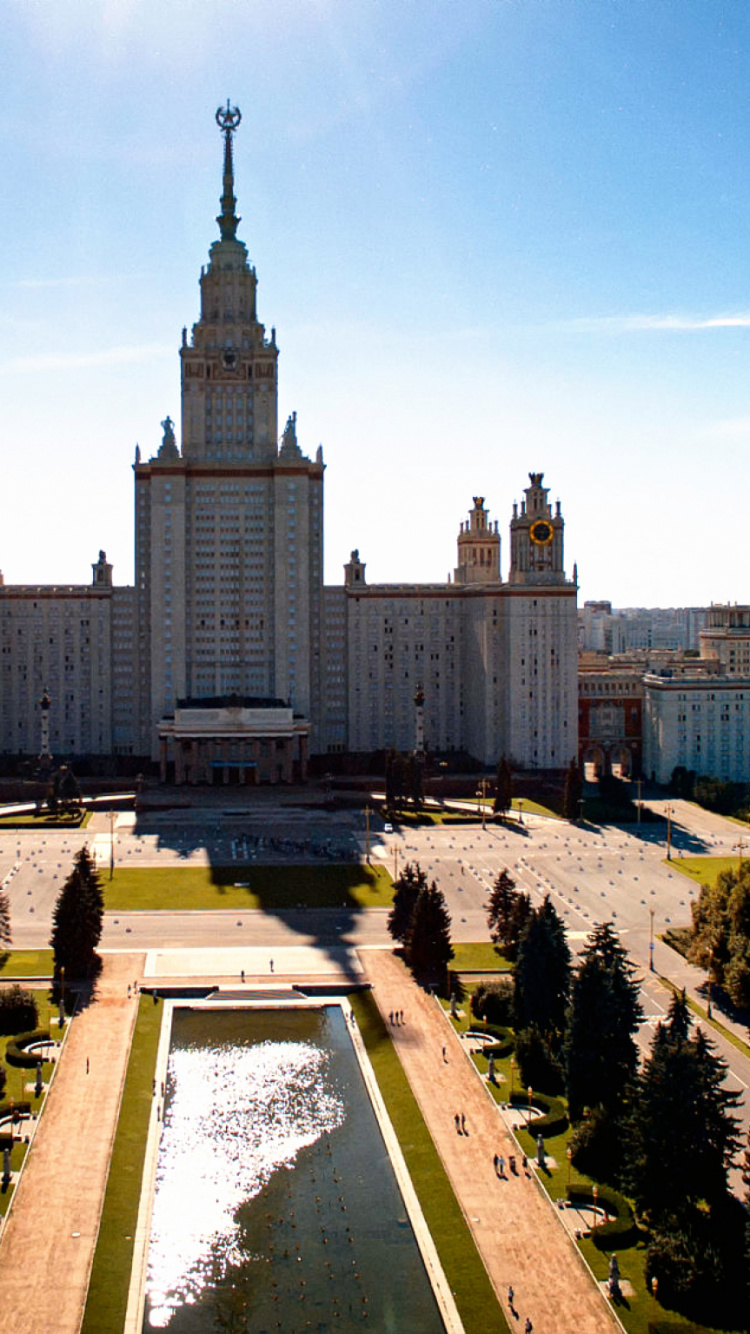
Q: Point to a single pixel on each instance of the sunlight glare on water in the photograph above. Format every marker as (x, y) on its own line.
(234, 1116)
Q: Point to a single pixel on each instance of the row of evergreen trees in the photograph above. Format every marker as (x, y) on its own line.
(664, 1131)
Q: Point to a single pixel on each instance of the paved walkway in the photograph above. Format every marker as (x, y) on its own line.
(521, 1241)
(49, 1237)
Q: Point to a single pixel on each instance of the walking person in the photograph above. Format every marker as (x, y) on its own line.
(457, 1120)
(445, 1058)
(495, 1163)
(528, 1327)
(501, 1161)
(463, 1124)
(511, 1295)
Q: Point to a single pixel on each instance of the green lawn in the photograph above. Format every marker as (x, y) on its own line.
(17, 1076)
(45, 821)
(482, 955)
(461, 1262)
(535, 808)
(206, 888)
(107, 1298)
(26, 963)
(704, 870)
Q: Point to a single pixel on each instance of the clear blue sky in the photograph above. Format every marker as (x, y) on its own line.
(493, 236)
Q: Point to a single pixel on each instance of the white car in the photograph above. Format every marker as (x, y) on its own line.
(387, 828)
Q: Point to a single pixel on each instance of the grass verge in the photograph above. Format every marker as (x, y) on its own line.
(704, 870)
(482, 955)
(273, 888)
(25, 963)
(459, 1257)
(107, 1299)
(45, 821)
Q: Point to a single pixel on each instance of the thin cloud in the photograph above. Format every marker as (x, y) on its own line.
(621, 324)
(66, 361)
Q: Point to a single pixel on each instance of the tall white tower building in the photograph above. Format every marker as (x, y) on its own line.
(229, 526)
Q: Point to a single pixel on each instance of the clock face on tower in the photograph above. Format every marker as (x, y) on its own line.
(541, 532)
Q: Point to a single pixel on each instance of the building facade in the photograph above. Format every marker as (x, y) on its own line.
(229, 658)
(700, 722)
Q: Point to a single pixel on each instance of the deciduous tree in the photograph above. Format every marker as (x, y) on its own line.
(6, 937)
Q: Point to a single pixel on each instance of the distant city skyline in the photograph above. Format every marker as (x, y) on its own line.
(492, 239)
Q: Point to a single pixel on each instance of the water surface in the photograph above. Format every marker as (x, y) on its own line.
(276, 1206)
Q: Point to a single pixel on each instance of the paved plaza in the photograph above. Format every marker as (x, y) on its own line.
(592, 875)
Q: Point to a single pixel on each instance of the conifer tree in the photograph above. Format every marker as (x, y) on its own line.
(77, 920)
(601, 1057)
(504, 791)
(572, 791)
(427, 945)
(681, 1134)
(542, 974)
(508, 910)
(405, 894)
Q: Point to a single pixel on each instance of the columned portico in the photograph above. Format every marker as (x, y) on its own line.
(243, 742)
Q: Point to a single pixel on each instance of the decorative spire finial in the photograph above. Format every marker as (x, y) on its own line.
(228, 119)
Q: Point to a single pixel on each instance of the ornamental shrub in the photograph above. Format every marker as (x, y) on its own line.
(17, 1010)
(493, 1001)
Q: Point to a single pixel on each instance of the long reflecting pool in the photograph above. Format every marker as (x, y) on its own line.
(276, 1206)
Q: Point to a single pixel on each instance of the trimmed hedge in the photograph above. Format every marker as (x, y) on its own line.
(19, 1108)
(16, 1054)
(621, 1230)
(555, 1118)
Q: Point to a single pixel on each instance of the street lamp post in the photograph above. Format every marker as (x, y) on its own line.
(640, 803)
(520, 810)
(395, 862)
(595, 1193)
(738, 849)
(367, 835)
(569, 1156)
(669, 833)
(651, 942)
(709, 1011)
(531, 1092)
(512, 1074)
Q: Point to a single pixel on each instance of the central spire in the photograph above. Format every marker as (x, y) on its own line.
(228, 119)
